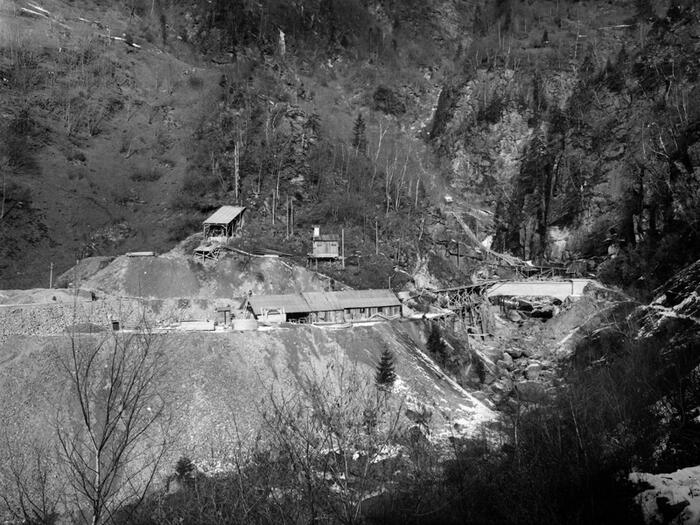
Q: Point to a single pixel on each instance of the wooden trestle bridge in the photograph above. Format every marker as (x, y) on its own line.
(470, 304)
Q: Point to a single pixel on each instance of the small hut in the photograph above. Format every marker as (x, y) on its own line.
(326, 246)
(225, 222)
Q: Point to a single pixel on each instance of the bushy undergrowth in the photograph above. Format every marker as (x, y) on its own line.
(342, 450)
(561, 461)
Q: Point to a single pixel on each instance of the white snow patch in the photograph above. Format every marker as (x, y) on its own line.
(677, 487)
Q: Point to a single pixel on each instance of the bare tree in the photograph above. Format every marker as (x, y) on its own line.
(29, 482)
(334, 435)
(115, 435)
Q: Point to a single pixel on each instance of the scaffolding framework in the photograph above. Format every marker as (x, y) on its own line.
(471, 306)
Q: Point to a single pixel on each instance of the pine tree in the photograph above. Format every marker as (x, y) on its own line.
(435, 345)
(385, 375)
(359, 140)
(184, 468)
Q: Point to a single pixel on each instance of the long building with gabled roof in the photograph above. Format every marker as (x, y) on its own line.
(334, 307)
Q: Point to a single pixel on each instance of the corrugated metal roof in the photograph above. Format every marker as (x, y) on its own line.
(327, 237)
(366, 298)
(225, 215)
(291, 303)
(322, 301)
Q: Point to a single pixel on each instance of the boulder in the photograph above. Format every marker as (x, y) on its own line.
(483, 397)
(514, 316)
(502, 388)
(533, 370)
(515, 353)
(508, 361)
(530, 391)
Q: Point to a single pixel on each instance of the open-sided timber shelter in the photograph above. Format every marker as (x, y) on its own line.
(226, 222)
(330, 307)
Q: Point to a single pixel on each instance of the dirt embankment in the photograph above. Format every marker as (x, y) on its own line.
(217, 384)
(179, 275)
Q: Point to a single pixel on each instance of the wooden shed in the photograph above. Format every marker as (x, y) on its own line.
(324, 246)
(226, 222)
(364, 304)
(277, 308)
(328, 307)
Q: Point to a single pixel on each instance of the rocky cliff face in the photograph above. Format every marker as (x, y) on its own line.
(582, 141)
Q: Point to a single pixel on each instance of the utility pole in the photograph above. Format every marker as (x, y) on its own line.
(342, 244)
(51, 275)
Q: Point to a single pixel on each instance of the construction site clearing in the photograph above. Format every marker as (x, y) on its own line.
(185, 290)
(97, 304)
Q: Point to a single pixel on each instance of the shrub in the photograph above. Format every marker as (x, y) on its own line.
(182, 227)
(490, 109)
(435, 345)
(387, 101)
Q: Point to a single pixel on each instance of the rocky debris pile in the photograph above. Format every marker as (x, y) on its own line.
(57, 317)
(522, 364)
(520, 376)
(518, 308)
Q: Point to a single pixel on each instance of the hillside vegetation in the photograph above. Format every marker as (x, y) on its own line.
(557, 131)
(557, 127)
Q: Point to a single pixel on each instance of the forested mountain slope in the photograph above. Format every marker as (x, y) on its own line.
(559, 128)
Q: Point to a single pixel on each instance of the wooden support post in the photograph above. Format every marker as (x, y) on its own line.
(342, 244)
(51, 275)
(376, 236)
(236, 179)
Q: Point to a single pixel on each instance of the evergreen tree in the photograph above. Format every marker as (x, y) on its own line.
(435, 345)
(359, 139)
(385, 375)
(185, 469)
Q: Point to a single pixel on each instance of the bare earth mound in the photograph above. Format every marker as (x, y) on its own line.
(178, 275)
(217, 384)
